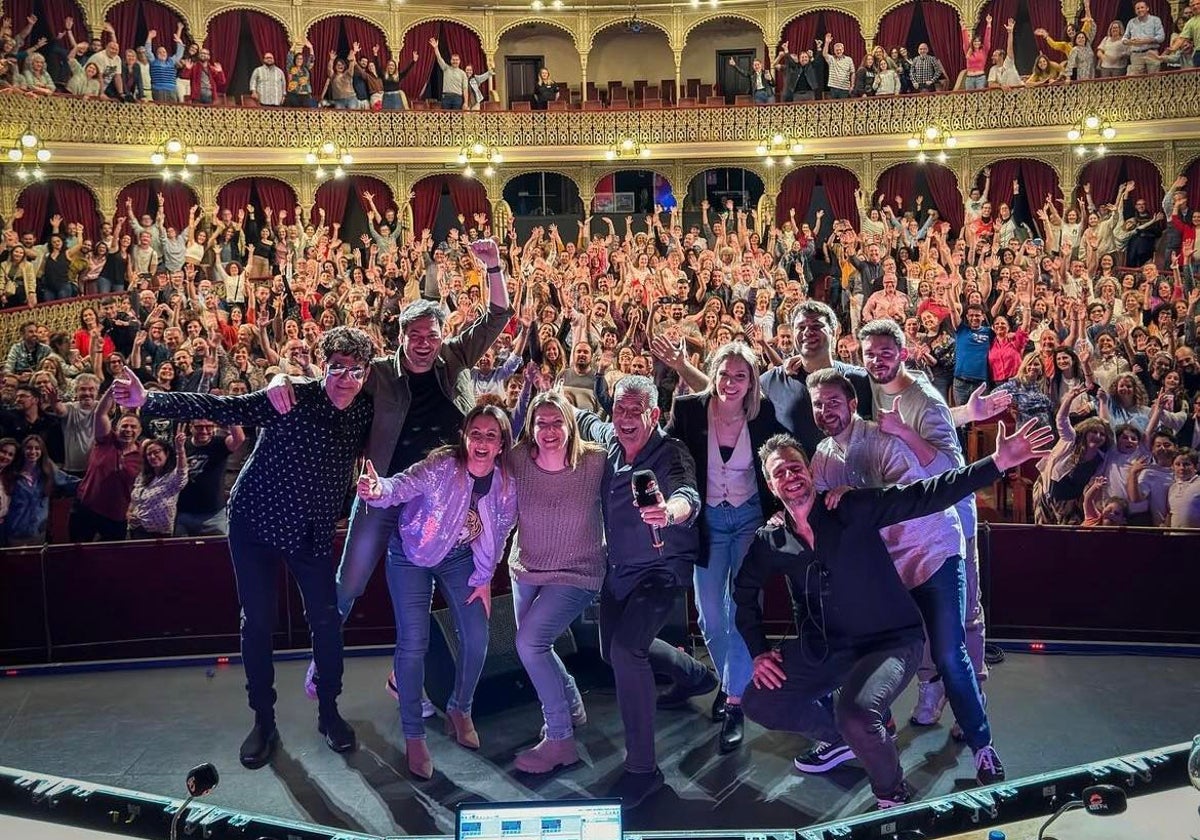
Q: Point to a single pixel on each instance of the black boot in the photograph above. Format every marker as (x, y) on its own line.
(718, 707)
(676, 697)
(732, 727)
(635, 788)
(259, 744)
(339, 735)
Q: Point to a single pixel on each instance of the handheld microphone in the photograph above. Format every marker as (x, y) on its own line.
(646, 494)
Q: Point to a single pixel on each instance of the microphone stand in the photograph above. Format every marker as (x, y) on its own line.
(178, 814)
(1070, 806)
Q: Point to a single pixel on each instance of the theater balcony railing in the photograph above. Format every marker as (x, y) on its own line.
(1146, 108)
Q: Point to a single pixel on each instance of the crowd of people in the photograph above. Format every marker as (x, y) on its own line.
(175, 70)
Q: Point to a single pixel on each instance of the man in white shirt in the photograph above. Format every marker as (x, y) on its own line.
(841, 69)
(267, 83)
(108, 62)
(1143, 35)
(1183, 499)
(1003, 72)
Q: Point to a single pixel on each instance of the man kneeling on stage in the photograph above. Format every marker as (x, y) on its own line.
(859, 632)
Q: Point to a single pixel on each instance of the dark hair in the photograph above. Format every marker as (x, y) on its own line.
(459, 450)
(883, 327)
(831, 376)
(148, 472)
(45, 465)
(419, 309)
(808, 308)
(780, 441)
(1185, 453)
(349, 342)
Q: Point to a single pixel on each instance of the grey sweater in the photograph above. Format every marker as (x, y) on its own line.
(560, 525)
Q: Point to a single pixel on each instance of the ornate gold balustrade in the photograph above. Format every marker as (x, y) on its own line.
(1144, 108)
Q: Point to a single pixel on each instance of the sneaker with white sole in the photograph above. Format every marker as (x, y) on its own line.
(310, 680)
(988, 767)
(903, 796)
(823, 757)
(931, 700)
(428, 710)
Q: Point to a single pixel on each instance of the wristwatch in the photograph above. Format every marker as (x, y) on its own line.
(670, 518)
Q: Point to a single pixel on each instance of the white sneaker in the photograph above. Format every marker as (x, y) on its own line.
(931, 700)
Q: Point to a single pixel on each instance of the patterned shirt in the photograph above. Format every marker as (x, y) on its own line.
(925, 70)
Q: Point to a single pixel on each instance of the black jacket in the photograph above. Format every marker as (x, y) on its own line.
(689, 423)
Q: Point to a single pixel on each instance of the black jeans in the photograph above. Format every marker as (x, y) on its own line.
(628, 630)
(256, 566)
(865, 681)
(85, 525)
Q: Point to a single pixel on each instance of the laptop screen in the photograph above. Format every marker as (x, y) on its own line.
(572, 819)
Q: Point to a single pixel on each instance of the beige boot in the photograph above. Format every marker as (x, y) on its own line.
(462, 728)
(420, 762)
(547, 755)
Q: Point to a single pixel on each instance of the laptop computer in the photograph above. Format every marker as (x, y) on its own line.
(566, 819)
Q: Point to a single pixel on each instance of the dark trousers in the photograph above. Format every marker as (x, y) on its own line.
(451, 102)
(628, 630)
(256, 566)
(864, 683)
(85, 525)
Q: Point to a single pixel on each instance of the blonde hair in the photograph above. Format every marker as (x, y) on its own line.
(576, 445)
(752, 402)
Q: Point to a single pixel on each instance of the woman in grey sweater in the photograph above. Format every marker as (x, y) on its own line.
(560, 564)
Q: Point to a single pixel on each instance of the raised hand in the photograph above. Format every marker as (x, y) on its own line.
(127, 390)
(1029, 441)
(368, 483)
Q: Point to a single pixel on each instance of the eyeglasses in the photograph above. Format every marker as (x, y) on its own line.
(358, 374)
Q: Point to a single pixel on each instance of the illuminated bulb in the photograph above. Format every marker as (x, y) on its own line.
(22, 174)
(310, 158)
(462, 158)
(610, 155)
(1101, 149)
(184, 174)
(347, 159)
(777, 139)
(43, 155)
(1074, 134)
(477, 149)
(645, 153)
(14, 154)
(931, 132)
(191, 159)
(1108, 132)
(29, 139)
(760, 150)
(952, 141)
(913, 142)
(338, 172)
(1080, 151)
(769, 162)
(157, 159)
(488, 172)
(920, 157)
(557, 4)
(787, 161)
(166, 174)
(328, 148)
(714, 3)
(320, 173)
(469, 172)
(497, 158)
(38, 174)
(536, 5)
(695, 4)
(941, 157)
(174, 147)
(1092, 121)
(797, 148)
(627, 143)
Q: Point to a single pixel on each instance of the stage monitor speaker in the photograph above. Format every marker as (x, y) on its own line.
(504, 682)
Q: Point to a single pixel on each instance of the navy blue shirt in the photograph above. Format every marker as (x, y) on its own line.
(793, 408)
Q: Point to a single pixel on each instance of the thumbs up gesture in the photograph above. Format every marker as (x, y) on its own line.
(889, 420)
(369, 487)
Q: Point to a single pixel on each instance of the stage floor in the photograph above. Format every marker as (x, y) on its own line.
(143, 729)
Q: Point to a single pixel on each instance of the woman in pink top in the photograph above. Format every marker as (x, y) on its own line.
(1008, 347)
(975, 50)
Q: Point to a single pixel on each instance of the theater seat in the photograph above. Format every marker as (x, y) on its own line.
(593, 105)
(688, 102)
(522, 105)
(652, 103)
(491, 106)
(557, 105)
(743, 99)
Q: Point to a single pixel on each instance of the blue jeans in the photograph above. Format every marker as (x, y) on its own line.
(202, 524)
(411, 588)
(975, 82)
(961, 389)
(370, 530)
(46, 293)
(256, 567)
(543, 613)
(943, 603)
(763, 96)
(392, 101)
(451, 102)
(730, 531)
(106, 286)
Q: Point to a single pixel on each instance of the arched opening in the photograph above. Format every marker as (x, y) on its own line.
(338, 34)
(177, 200)
(454, 39)
(803, 31)
(439, 200)
(526, 49)
(1104, 175)
(1037, 182)
(259, 193)
(1192, 173)
(926, 22)
(57, 197)
(716, 186)
(707, 51)
(934, 183)
(808, 190)
(631, 192)
(133, 20)
(51, 15)
(627, 57)
(342, 201)
(544, 198)
(1105, 12)
(238, 39)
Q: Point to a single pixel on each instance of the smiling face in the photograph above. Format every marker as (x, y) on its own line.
(484, 439)
(832, 411)
(634, 420)
(733, 380)
(883, 357)
(550, 433)
(788, 477)
(420, 343)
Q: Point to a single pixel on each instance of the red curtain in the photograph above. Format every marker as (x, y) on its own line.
(76, 203)
(945, 35)
(141, 194)
(845, 30)
(269, 36)
(276, 194)
(124, 18)
(456, 39)
(224, 33)
(1147, 180)
(35, 201)
(417, 39)
(840, 185)
(1103, 175)
(943, 190)
(469, 196)
(1001, 190)
(1001, 12)
(1193, 184)
(52, 13)
(325, 36)
(179, 200)
(1049, 16)
(894, 27)
(382, 193)
(795, 193)
(163, 19)
(1037, 180)
(427, 194)
(1104, 11)
(368, 36)
(899, 180)
(799, 33)
(331, 197)
(235, 195)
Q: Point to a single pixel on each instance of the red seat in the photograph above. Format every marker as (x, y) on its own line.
(652, 103)
(743, 99)
(557, 105)
(593, 105)
(491, 105)
(522, 105)
(667, 86)
(688, 102)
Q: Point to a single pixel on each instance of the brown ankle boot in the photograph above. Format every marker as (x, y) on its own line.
(420, 762)
(547, 755)
(462, 728)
